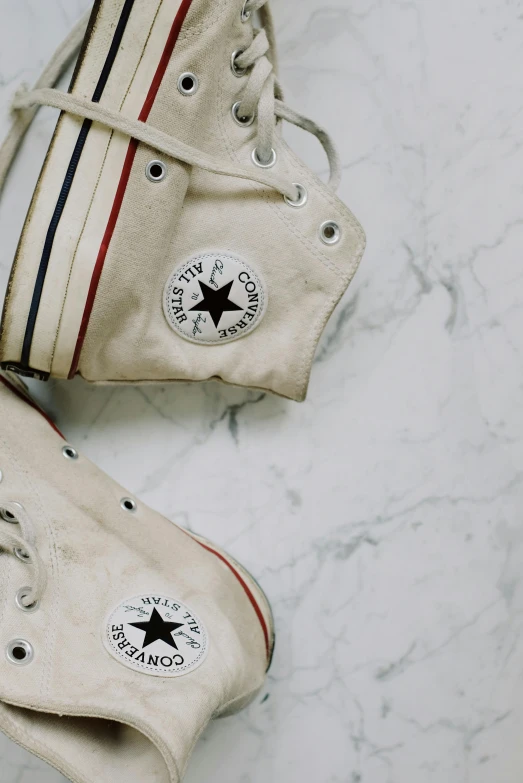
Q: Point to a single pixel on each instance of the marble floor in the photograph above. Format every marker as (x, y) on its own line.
(384, 515)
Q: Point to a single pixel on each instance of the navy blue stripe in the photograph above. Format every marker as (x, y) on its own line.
(67, 184)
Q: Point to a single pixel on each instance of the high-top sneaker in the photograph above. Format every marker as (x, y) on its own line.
(173, 234)
(121, 634)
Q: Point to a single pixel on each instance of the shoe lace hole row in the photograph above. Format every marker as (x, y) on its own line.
(330, 231)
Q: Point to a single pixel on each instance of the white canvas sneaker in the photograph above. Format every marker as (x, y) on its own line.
(173, 234)
(121, 635)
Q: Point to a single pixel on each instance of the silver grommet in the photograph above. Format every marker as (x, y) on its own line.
(22, 555)
(1, 475)
(270, 163)
(19, 652)
(69, 452)
(245, 15)
(128, 504)
(330, 232)
(20, 597)
(155, 171)
(239, 72)
(188, 83)
(10, 516)
(302, 197)
(243, 121)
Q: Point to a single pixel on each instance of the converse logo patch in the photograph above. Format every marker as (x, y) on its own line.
(156, 635)
(214, 298)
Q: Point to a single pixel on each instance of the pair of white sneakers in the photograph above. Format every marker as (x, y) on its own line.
(173, 235)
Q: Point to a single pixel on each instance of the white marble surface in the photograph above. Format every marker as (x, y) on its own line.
(384, 515)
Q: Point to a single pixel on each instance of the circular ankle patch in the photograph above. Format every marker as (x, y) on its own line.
(156, 635)
(214, 298)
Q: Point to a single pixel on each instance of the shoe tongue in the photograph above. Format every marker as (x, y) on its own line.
(225, 21)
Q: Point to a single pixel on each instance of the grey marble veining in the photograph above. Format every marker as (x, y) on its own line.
(382, 516)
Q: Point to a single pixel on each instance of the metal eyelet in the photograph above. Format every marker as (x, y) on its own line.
(302, 199)
(156, 171)
(188, 83)
(243, 121)
(69, 452)
(19, 652)
(21, 595)
(257, 162)
(245, 15)
(330, 232)
(9, 516)
(128, 504)
(1, 475)
(238, 72)
(22, 555)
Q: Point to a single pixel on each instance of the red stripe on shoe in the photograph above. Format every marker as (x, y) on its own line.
(31, 403)
(124, 180)
(248, 592)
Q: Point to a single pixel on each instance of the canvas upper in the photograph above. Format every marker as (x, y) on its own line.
(202, 270)
(140, 633)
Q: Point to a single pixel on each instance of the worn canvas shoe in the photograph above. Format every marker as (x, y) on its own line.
(173, 234)
(121, 635)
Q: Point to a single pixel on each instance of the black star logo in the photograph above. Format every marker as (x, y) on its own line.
(157, 628)
(216, 303)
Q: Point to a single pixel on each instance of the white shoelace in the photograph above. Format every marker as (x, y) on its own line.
(14, 543)
(49, 77)
(261, 99)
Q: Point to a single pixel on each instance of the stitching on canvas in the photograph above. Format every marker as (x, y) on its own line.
(96, 188)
